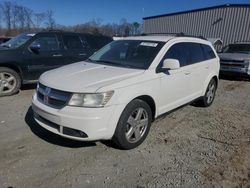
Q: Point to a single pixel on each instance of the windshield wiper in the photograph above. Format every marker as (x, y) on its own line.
(107, 62)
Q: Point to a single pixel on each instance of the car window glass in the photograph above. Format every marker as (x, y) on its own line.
(91, 41)
(178, 51)
(128, 53)
(72, 42)
(208, 52)
(47, 43)
(195, 53)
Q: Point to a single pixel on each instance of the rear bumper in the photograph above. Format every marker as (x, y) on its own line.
(86, 124)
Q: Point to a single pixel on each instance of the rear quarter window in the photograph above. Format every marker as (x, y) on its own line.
(208, 52)
(195, 53)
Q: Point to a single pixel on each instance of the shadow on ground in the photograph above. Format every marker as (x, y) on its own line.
(51, 137)
(234, 78)
(28, 86)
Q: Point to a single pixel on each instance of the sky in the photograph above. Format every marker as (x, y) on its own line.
(71, 12)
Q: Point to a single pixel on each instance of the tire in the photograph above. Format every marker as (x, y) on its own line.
(134, 125)
(10, 81)
(209, 96)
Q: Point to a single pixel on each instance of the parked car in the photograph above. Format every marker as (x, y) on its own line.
(24, 58)
(235, 59)
(123, 87)
(4, 39)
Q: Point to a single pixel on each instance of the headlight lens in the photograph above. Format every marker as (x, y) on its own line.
(91, 100)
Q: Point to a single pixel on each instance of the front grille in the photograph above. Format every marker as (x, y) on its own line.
(52, 97)
(239, 64)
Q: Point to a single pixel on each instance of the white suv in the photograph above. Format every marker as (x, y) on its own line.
(123, 87)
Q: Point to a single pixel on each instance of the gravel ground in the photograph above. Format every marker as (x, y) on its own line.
(191, 147)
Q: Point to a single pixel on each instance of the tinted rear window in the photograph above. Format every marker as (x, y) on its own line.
(72, 42)
(195, 53)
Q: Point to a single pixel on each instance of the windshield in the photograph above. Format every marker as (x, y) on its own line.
(18, 40)
(128, 53)
(237, 48)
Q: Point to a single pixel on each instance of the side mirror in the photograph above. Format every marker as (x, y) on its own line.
(171, 64)
(35, 47)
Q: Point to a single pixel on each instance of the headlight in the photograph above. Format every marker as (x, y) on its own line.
(247, 63)
(91, 100)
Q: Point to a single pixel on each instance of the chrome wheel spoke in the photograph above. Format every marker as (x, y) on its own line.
(139, 114)
(130, 133)
(1, 76)
(143, 123)
(11, 78)
(1, 88)
(131, 121)
(137, 134)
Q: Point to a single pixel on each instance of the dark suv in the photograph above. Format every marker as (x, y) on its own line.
(24, 58)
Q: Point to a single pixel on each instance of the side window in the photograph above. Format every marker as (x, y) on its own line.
(195, 53)
(208, 52)
(178, 51)
(47, 43)
(72, 42)
(91, 41)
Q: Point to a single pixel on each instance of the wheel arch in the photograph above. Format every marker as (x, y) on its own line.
(13, 67)
(150, 101)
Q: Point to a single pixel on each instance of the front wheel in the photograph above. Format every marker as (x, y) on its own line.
(10, 81)
(134, 125)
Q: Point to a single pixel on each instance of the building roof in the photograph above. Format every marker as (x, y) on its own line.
(200, 9)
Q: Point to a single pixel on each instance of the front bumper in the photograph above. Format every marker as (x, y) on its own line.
(234, 70)
(78, 123)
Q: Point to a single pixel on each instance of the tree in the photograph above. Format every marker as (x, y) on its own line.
(6, 10)
(50, 20)
(39, 19)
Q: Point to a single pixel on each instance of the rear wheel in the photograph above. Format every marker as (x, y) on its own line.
(134, 125)
(209, 96)
(10, 81)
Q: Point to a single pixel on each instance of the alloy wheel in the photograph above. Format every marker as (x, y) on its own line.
(136, 125)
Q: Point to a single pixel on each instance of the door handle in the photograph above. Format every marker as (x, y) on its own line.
(57, 55)
(82, 54)
(207, 67)
(187, 73)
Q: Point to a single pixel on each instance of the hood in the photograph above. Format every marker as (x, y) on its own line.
(86, 77)
(234, 56)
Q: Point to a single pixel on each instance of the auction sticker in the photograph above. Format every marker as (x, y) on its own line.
(150, 44)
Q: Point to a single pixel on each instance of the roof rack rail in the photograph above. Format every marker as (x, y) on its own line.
(181, 34)
(55, 30)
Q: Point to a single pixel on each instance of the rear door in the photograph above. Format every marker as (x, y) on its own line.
(198, 69)
(48, 57)
(74, 48)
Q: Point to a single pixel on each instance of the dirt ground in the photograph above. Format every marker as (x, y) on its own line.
(191, 147)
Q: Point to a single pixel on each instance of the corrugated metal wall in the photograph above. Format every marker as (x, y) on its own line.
(228, 23)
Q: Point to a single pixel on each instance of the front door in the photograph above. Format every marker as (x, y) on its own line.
(47, 57)
(174, 84)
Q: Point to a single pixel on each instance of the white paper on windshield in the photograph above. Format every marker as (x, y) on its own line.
(31, 34)
(150, 44)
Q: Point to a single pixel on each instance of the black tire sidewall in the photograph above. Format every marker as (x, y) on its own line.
(17, 77)
(119, 136)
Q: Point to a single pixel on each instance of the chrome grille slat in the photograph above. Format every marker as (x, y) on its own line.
(52, 97)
